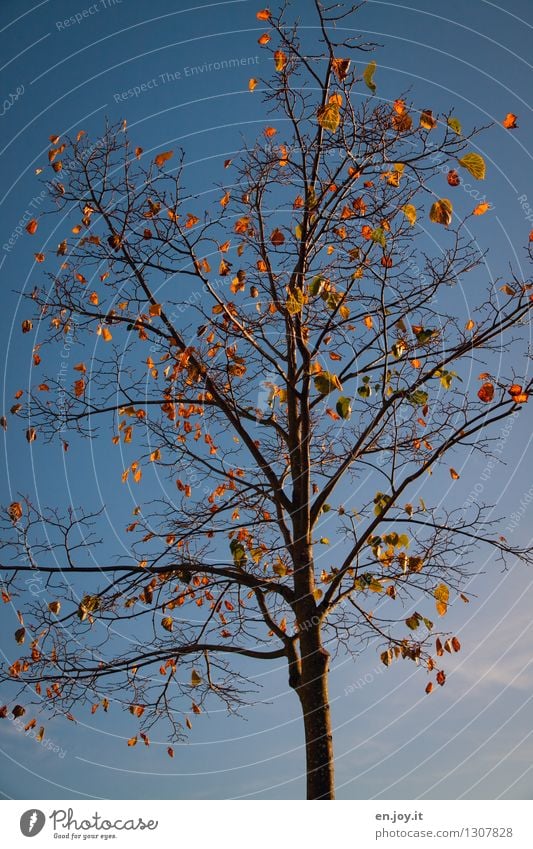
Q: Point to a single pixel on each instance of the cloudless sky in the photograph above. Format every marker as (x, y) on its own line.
(474, 737)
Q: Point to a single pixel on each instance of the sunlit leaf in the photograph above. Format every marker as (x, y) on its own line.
(474, 164)
(441, 212)
(368, 76)
(410, 213)
(509, 122)
(163, 157)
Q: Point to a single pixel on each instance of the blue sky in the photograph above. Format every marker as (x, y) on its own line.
(474, 737)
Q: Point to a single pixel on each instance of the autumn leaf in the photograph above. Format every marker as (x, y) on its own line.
(429, 688)
(252, 84)
(509, 122)
(277, 238)
(170, 752)
(441, 212)
(325, 382)
(132, 741)
(474, 164)
(368, 76)
(329, 117)
(137, 710)
(410, 213)
(455, 125)
(453, 178)
(163, 157)
(155, 310)
(31, 226)
(441, 593)
(54, 607)
(486, 392)
(427, 121)
(196, 678)
(263, 39)
(263, 15)
(517, 394)
(454, 475)
(14, 511)
(340, 68)
(280, 60)
(167, 622)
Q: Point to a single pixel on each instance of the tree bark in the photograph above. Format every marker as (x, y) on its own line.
(314, 699)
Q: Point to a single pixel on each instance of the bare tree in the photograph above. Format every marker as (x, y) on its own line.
(294, 362)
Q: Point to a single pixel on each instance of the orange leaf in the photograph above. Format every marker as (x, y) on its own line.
(263, 39)
(263, 15)
(31, 226)
(277, 238)
(161, 158)
(39, 257)
(481, 208)
(280, 60)
(132, 741)
(252, 84)
(509, 122)
(429, 688)
(454, 475)
(486, 392)
(269, 132)
(340, 68)
(155, 310)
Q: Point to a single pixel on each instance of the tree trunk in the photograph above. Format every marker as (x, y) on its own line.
(313, 694)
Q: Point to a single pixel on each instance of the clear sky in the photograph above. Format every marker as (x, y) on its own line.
(474, 738)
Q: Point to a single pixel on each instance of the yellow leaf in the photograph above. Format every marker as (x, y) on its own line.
(167, 622)
(441, 594)
(441, 212)
(474, 164)
(155, 455)
(410, 213)
(368, 76)
(196, 678)
(329, 117)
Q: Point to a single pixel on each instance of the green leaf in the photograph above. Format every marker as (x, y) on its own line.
(381, 502)
(474, 164)
(428, 623)
(424, 336)
(316, 285)
(344, 407)
(239, 553)
(418, 398)
(441, 212)
(368, 76)
(378, 235)
(325, 382)
(455, 125)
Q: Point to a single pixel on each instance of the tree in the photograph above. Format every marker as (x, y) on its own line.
(301, 394)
